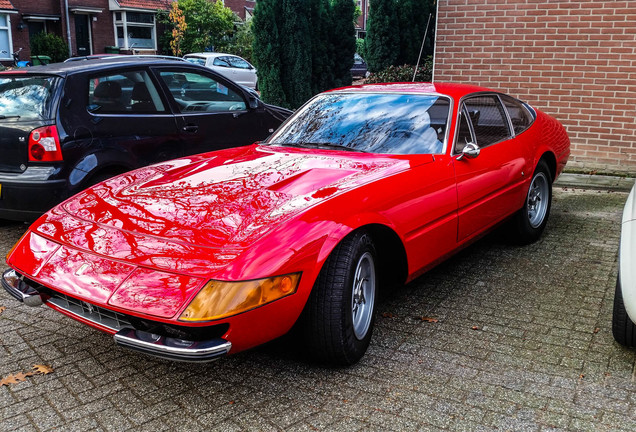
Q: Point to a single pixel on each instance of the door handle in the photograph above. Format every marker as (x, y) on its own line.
(191, 128)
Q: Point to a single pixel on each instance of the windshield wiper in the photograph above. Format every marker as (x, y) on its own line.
(2, 117)
(320, 145)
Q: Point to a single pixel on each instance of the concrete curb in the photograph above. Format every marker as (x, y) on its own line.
(588, 181)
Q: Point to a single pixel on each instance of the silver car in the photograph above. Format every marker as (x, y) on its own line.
(230, 66)
(624, 318)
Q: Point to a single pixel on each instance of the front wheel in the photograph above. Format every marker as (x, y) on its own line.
(338, 319)
(531, 220)
(623, 329)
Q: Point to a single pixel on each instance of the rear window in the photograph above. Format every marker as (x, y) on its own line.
(26, 97)
(196, 60)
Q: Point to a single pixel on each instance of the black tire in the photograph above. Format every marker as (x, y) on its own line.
(530, 221)
(623, 329)
(330, 331)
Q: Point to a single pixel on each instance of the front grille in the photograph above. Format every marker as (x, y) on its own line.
(104, 317)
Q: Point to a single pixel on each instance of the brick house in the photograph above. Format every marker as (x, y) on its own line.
(574, 59)
(243, 8)
(93, 25)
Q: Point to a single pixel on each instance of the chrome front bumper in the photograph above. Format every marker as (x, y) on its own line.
(125, 336)
(171, 348)
(14, 284)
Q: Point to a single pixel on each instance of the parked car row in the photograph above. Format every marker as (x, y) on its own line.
(207, 255)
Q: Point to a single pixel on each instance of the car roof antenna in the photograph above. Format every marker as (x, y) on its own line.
(421, 48)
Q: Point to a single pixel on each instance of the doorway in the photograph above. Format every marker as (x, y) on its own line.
(82, 34)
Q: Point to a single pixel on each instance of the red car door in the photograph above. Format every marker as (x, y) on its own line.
(490, 184)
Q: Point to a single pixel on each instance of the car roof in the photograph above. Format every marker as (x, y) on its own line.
(95, 65)
(456, 91)
(208, 54)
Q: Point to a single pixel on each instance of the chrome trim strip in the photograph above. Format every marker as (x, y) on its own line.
(172, 348)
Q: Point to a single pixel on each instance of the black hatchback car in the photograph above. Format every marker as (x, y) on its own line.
(66, 126)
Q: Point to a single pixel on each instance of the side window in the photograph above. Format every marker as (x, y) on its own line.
(488, 119)
(464, 132)
(221, 61)
(238, 63)
(130, 93)
(197, 92)
(520, 115)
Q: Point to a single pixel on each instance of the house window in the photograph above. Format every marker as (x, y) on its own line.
(5, 37)
(135, 30)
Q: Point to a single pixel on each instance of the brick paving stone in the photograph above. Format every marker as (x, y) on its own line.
(542, 357)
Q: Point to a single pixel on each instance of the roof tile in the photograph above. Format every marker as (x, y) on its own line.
(6, 4)
(143, 4)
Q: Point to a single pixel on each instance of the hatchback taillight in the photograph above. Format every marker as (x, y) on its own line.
(44, 145)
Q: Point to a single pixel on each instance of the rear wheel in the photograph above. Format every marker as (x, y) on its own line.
(623, 329)
(531, 220)
(339, 316)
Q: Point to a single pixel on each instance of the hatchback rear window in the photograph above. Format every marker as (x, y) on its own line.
(26, 97)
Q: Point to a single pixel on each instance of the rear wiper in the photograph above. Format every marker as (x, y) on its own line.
(2, 117)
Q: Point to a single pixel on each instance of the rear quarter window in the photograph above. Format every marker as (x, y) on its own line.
(26, 97)
(520, 114)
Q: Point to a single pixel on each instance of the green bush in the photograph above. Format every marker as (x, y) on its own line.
(51, 45)
(403, 73)
(239, 42)
(360, 48)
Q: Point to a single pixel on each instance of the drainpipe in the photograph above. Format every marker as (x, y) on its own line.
(68, 28)
(434, 40)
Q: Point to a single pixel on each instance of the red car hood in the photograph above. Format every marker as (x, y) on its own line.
(146, 241)
(227, 200)
(210, 207)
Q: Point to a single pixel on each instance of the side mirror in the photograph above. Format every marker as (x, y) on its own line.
(470, 150)
(253, 102)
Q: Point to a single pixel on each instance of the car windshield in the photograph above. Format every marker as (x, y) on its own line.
(386, 123)
(26, 97)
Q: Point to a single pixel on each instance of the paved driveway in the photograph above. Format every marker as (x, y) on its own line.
(522, 342)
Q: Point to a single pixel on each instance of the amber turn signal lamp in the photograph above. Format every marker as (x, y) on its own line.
(220, 299)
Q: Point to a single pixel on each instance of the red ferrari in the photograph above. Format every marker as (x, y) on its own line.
(362, 187)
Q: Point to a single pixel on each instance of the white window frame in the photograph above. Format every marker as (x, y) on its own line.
(123, 23)
(9, 55)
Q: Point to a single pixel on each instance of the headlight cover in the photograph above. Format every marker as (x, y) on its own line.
(221, 299)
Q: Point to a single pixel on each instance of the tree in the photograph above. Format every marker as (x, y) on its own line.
(322, 61)
(302, 47)
(207, 23)
(296, 52)
(177, 17)
(343, 41)
(413, 16)
(383, 38)
(267, 51)
(241, 42)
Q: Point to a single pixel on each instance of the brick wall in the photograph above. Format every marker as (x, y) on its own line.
(573, 59)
